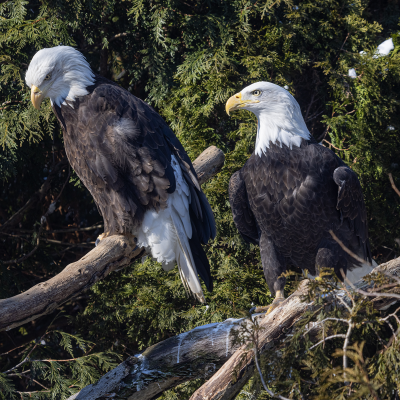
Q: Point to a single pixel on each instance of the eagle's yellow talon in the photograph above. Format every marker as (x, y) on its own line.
(279, 299)
(101, 237)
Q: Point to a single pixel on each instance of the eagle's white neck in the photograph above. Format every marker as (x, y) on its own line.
(73, 84)
(280, 123)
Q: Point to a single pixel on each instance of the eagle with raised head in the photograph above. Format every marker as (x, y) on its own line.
(137, 171)
(292, 192)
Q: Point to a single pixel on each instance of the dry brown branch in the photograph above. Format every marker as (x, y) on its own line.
(347, 250)
(113, 253)
(201, 352)
(208, 163)
(222, 386)
(393, 184)
(42, 222)
(337, 148)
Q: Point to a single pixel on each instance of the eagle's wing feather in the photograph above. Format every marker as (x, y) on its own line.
(132, 148)
(242, 214)
(351, 205)
(122, 151)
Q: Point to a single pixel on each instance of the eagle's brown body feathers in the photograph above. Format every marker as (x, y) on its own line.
(121, 150)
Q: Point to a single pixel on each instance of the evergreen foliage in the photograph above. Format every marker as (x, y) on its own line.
(186, 58)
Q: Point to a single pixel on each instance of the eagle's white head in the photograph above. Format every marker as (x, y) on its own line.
(60, 73)
(278, 114)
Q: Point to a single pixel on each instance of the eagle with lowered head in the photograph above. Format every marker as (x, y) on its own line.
(137, 171)
(292, 192)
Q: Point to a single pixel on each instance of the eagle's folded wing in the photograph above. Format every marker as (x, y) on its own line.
(242, 214)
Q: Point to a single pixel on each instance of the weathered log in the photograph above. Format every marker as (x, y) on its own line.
(194, 354)
(275, 325)
(114, 252)
(208, 163)
(202, 351)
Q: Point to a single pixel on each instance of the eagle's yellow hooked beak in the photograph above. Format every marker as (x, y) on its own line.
(36, 97)
(236, 103)
(233, 103)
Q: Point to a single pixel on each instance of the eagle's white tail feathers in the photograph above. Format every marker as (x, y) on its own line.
(360, 271)
(186, 265)
(167, 232)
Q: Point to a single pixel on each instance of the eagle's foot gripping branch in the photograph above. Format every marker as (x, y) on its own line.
(279, 299)
(131, 238)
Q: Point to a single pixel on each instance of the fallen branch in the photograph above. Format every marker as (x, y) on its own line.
(203, 351)
(114, 252)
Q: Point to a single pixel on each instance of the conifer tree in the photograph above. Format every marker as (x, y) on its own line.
(186, 58)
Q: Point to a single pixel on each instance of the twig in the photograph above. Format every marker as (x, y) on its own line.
(9, 351)
(345, 40)
(372, 294)
(37, 391)
(347, 250)
(314, 116)
(23, 258)
(330, 144)
(341, 335)
(84, 244)
(118, 35)
(324, 320)
(18, 365)
(346, 343)
(42, 222)
(44, 387)
(393, 184)
(16, 236)
(272, 394)
(36, 197)
(309, 106)
(68, 230)
(89, 228)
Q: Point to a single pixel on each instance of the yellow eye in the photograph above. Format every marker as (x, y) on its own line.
(48, 76)
(256, 92)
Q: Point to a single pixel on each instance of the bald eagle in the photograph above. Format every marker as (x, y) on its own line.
(292, 191)
(137, 171)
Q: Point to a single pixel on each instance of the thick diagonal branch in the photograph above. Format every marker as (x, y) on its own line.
(113, 253)
(203, 351)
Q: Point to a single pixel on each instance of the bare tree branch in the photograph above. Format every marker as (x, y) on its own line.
(347, 250)
(36, 198)
(113, 253)
(203, 350)
(393, 184)
(49, 211)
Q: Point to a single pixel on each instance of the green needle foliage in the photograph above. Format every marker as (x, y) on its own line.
(186, 58)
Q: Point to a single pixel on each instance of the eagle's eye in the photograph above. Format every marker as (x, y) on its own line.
(48, 76)
(256, 92)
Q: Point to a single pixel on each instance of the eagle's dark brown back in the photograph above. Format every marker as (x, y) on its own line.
(292, 197)
(121, 149)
